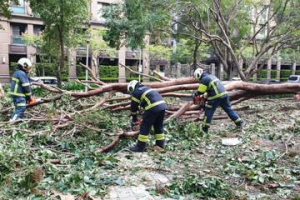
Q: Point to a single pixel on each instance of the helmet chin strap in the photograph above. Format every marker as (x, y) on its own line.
(26, 68)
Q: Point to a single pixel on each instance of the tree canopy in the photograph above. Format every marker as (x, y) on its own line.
(5, 8)
(241, 33)
(64, 19)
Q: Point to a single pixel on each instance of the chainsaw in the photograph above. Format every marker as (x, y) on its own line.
(32, 101)
(136, 125)
(199, 100)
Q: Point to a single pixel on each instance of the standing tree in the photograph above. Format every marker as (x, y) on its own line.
(4, 8)
(237, 29)
(247, 32)
(100, 47)
(63, 19)
(134, 19)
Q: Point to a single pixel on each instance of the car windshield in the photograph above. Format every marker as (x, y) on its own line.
(293, 78)
(49, 81)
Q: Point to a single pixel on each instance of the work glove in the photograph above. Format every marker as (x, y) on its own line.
(196, 97)
(31, 101)
(135, 124)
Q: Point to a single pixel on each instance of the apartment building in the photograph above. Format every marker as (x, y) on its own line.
(12, 48)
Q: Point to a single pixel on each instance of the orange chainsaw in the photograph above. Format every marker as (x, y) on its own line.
(199, 100)
(136, 125)
(32, 101)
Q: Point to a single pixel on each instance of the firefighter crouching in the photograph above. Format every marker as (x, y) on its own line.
(154, 113)
(213, 90)
(20, 90)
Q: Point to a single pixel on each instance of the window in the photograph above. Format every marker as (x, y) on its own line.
(18, 9)
(37, 29)
(262, 33)
(161, 68)
(100, 8)
(17, 31)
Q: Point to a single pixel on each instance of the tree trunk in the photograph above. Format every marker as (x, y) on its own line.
(195, 53)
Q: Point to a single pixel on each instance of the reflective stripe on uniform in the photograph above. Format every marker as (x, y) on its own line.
(202, 88)
(136, 100)
(25, 84)
(149, 104)
(28, 94)
(143, 97)
(21, 104)
(15, 79)
(239, 119)
(160, 136)
(205, 123)
(14, 117)
(134, 113)
(17, 94)
(143, 138)
(217, 96)
(16, 88)
(145, 93)
(208, 106)
(212, 84)
(154, 104)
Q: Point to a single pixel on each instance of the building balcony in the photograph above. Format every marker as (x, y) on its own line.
(17, 40)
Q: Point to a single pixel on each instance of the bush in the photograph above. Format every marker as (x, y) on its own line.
(284, 74)
(45, 69)
(80, 71)
(73, 86)
(200, 187)
(109, 71)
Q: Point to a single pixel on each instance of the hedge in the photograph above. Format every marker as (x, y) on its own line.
(109, 71)
(284, 74)
(48, 68)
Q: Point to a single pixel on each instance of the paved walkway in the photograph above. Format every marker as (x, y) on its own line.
(138, 185)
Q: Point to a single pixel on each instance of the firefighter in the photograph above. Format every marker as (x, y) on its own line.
(20, 90)
(154, 111)
(213, 90)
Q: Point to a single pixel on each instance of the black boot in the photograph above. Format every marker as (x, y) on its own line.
(139, 147)
(160, 143)
(205, 129)
(241, 124)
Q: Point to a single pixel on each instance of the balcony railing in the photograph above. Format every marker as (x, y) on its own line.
(18, 9)
(17, 40)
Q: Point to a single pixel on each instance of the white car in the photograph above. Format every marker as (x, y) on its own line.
(47, 80)
(294, 79)
(236, 79)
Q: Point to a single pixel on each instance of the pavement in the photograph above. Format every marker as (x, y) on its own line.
(141, 178)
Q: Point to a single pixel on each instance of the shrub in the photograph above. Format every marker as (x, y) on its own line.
(109, 71)
(200, 187)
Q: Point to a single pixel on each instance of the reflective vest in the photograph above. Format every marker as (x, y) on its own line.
(20, 85)
(147, 98)
(212, 85)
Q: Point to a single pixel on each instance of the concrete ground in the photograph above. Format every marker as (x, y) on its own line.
(138, 185)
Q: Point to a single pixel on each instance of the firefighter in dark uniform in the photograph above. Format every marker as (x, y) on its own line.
(20, 90)
(211, 88)
(154, 111)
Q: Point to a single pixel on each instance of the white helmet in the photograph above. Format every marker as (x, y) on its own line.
(198, 73)
(25, 62)
(131, 86)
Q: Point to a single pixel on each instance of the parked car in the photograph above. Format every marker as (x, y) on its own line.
(294, 79)
(269, 81)
(236, 79)
(47, 80)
